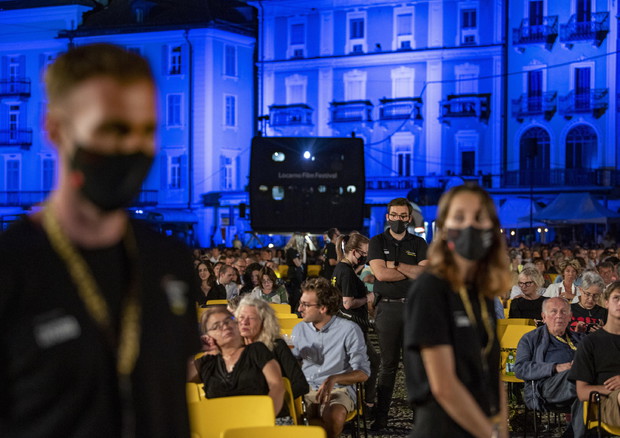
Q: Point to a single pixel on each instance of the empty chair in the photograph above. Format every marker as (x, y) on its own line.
(275, 432)
(281, 308)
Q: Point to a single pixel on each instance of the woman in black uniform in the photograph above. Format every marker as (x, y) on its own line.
(352, 251)
(451, 351)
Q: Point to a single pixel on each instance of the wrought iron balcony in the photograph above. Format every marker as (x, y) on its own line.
(528, 106)
(19, 198)
(545, 33)
(16, 137)
(290, 115)
(595, 101)
(595, 29)
(351, 111)
(15, 87)
(465, 105)
(549, 177)
(400, 108)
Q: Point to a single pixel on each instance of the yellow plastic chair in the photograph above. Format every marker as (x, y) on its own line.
(358, 413)
(217, 303)
(293, 404)
(286, 316)
(503, 323)
(193, 392)
(288, 323)
(591, 416)
(283, 271)
(508, 342)
(314, 270)
(281, 308)
(275, 432)
(208, 418)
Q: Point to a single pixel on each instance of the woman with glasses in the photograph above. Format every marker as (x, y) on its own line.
(268, 288)
(258, 323)
(452, 354)
(529, 303)
(230, 367)
(588, 315)
(352, 251)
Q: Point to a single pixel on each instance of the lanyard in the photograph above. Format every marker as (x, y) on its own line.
(484, 313)
(566, 341)
(127, 344)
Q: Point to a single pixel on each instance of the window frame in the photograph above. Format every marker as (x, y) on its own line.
(351, 43)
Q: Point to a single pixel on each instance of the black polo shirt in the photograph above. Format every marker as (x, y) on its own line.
(411, 250)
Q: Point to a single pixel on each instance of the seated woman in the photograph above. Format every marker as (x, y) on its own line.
(232, 368)
(588, 316)
(258, 323)
(570, 270)
(529, 303)
(251, 278)
(208, 284)
(268, 288)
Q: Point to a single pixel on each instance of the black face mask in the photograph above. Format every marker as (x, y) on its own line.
(361, 260)
(111, 181)
(398, 227)
(471, 243)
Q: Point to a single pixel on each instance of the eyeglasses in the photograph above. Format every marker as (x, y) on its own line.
(220, 325)
(402, 217)
(362, 253)
(590, 294)
(306, 305)
(242, 319)
(525, 283)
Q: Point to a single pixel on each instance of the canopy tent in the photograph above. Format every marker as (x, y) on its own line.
(510, 212)
(575, 208)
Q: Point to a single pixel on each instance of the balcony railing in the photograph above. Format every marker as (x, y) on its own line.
(351, 111)
(290, 115)
(146, 198)
(545, 33)
(527, 106)
(596, 102)
(16, 137)
(19, 198)
(400, 108)
(15, 87)
(595, 29)
(465, 105)
(551, 178)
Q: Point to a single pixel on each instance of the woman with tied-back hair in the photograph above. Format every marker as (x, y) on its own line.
(570, 270)
(452, 354)
(352, 250)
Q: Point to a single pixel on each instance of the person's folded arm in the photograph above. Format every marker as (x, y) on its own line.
(384, 273)
(526, 368)
(412, 271)
(584, 389)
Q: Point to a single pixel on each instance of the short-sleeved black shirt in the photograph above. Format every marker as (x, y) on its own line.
(596, 315)
(246, 378)
(350, 285)
(524, 308)
(597, 358)
(434, 316)
(329, 252)
(410, 250)
(57, 374)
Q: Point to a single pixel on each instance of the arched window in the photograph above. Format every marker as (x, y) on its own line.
(581, 145)
(534, 156)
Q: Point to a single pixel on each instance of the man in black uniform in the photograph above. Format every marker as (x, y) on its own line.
(396, 258)
(97, 317)
(328, 255)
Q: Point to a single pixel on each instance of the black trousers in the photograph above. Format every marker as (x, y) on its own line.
(389, 322)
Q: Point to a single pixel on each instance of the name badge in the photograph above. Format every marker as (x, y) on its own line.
(56, 331)
(461, 319)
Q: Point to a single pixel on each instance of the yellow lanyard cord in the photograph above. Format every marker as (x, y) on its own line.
(484, 313)
(566, 341)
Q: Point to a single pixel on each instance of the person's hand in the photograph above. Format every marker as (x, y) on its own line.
(613, 383)
(560, 367)
(209, 345)
(567, 296)
(581, 327)
(325, 390)
(370, 298)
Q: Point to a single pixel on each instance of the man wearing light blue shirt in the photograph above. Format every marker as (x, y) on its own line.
(333, 354)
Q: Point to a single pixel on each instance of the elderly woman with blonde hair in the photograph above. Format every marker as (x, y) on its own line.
(570, 270)
(258, 323)
(529, 303)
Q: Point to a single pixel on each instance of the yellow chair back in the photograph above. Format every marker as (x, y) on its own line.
(217, 303)
(503, 323)
(208, 418)
(590, 419)
(314, 270)
(275, 432)
(289, 399)
(288, 323)
(281, 308)
(508, 343)
(286, 316)
(283, 271)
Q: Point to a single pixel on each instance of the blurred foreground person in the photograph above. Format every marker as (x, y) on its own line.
(452, 355)
(97, 317)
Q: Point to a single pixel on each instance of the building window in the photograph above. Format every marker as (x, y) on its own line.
(402, 147)
(175, 60)
(581, 147)
(534, 150)
(297, 40)
(48, 173)
(403, 28)
(12, 172)
(466, 78)
(174, 172)
(356, 32)
(583, 11)
(296, 86)
(14, 112)
(230, 60)
(466, 146)
(227, 164)
(174, 108)
(468, 17)
(402, 82)
(230, 111)
(354, 85)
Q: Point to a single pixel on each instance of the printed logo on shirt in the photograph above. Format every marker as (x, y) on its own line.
(411, 253)
(53, 329)
(386, 251)
(176, 290)
(461, 319)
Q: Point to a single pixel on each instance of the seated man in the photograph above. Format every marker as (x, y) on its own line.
(333, 354)
(545, 355)
(597, 362)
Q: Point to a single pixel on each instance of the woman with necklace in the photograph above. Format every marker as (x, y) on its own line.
(232, 368)
(208, 284)
(268, 288)
(351, 251)
(451, 353)
(588, 316)
(567, 289)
